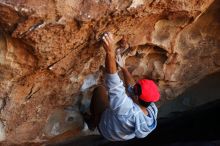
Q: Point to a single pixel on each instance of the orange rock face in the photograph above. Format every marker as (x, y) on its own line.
(51, 56)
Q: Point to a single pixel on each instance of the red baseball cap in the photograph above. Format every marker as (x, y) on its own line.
(149, 91)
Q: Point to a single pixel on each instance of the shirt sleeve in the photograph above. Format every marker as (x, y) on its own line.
(120, 103)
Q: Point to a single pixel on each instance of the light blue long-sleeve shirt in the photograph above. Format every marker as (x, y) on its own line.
(124, 119)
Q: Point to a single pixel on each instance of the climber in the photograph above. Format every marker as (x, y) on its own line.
(117, 116)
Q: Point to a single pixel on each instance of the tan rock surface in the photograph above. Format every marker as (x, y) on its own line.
(51, 57)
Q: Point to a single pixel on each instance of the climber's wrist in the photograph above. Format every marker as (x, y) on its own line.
(123, 68)
(110, 53)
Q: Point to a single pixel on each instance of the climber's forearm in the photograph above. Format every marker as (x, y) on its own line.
(110, 63)
(127, 77)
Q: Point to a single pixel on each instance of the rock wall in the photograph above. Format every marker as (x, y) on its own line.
(51, 56)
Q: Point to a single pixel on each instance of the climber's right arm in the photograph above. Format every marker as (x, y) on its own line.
(129, 81)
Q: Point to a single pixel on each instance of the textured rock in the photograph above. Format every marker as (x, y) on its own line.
(51, 57)
(2, 131)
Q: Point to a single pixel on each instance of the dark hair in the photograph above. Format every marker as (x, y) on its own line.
(137, 91)
(143, 103)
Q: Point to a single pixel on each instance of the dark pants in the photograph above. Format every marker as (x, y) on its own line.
(99, 103)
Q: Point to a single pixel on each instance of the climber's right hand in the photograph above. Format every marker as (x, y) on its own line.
(119, 60)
